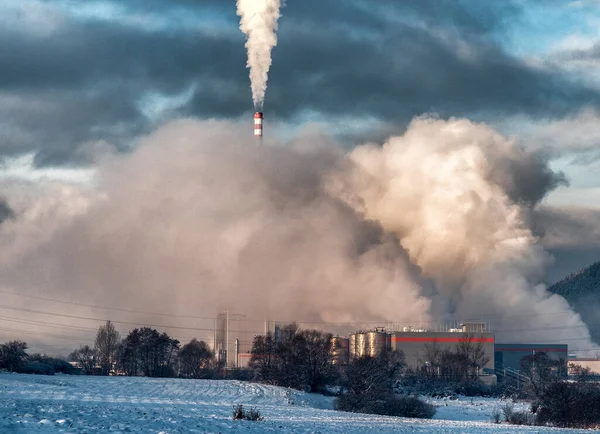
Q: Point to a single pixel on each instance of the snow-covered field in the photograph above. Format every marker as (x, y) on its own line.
(78, 404)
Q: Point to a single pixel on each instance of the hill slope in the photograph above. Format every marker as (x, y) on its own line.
(582, 290)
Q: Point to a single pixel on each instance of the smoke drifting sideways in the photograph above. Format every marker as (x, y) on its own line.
(259, 22)
(430, 226)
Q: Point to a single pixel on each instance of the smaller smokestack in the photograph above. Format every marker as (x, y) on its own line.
(258, 125)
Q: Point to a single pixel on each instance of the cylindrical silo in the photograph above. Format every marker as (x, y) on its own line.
(340, 349)
(361, 345)
(376, 342)
(352, 346)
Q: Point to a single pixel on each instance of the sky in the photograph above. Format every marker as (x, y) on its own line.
(82, 81)
(74, 73)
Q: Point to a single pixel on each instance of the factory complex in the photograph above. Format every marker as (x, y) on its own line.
(501, 360)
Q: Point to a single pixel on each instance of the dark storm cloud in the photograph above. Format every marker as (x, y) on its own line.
(85, 81)
(406, 72)
(531, 177)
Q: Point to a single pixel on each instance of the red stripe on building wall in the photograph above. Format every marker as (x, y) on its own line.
(530, 350)
(442, 340)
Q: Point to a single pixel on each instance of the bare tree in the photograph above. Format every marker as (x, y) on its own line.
(541, 372)
(107, 340)
(432, 360)
(473, 355)
(301, 359)
(128, 353)
(85, 358)
(459, 365)
(317, 354)
(195, 359)
(151, 352)
(263, 362)
(13, 355)
(373, 375)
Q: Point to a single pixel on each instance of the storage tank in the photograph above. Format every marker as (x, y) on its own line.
(352, 346)
(361, 344)
(375, 343)
(340, 350)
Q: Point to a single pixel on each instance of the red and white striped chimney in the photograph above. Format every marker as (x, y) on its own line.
(258, 125)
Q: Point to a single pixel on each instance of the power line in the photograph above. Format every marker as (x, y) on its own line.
(106, 307)
(46, 324)
(56, 325)
(86, 318)
(213, 329)
(345, 323)
(113, 321)
(41, 333)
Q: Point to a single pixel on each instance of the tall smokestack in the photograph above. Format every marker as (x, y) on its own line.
(258, 125)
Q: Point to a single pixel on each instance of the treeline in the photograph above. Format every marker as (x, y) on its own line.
(300, 359)
(304, 359)
(147, 352)
(14, 358)
(555, 399)
(144, 351)
(445, 371)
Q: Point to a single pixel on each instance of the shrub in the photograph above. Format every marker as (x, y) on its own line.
(386, 404)
(569, 405)
(240, 414)
(522, 418)
(496, 416)
(438, 387)
(409, 407)
(253, 414)
(237, 374)
(55, 365)
(37, 368)
(507, 410)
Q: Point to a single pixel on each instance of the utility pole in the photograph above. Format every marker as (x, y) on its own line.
(227, 315)
(226, 338)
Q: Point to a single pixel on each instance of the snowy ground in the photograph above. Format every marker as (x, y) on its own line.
(78, 404)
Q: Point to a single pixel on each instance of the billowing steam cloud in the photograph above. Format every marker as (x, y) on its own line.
(454, 193)
(433, 225)
(259, 24)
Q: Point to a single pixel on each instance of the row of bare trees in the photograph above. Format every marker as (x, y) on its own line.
(461, 364)
(301, 359)
(304, 359)
(144, 351)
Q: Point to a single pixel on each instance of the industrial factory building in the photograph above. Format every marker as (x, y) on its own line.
(510, 359)
(585, 363)
(502, 360)
(414, 341)
(511, 356)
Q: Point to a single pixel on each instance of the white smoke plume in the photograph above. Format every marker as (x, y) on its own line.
(453, 192)
(427, 227)
(259, 22)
